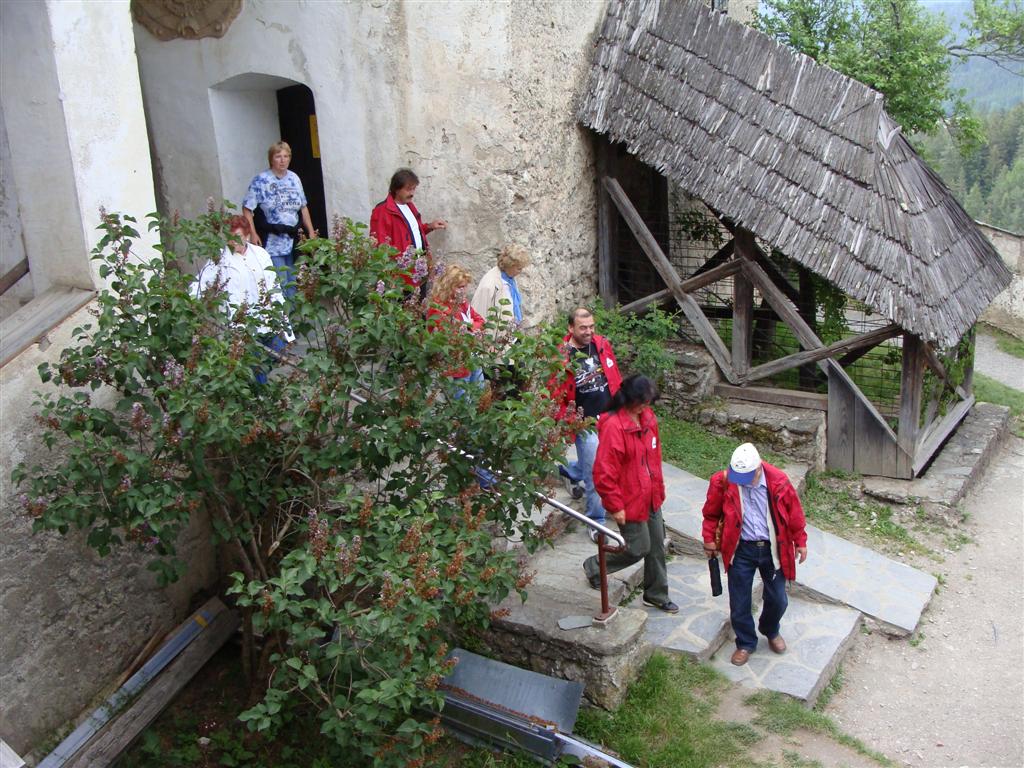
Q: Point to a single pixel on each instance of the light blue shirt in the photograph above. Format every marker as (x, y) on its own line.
(755, 511)
(517, 301)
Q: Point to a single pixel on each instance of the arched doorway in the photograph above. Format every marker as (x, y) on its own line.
(250, 112)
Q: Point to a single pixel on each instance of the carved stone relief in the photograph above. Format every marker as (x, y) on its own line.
(188, 19)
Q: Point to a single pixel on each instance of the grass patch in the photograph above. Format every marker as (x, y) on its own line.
(780, 714)
(691, 447)
(834, 686)
(838, 511)
(989, 390)
(667, 720)
(1006, 342)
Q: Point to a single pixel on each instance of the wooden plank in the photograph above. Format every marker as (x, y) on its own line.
(841, 436)
(937, 435)
(607, 284)
(807, 338)
(698, 280)
(14, 274)
(641, 305)
(690, 308)
(911, 382)
(721, 256)
(872, 445)
(932, 359)
(869, 339)
(748, 247)
(103, 750)
(22, 329)
(742, 324)
(772, 396)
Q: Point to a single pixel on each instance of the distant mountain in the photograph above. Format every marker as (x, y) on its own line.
(988, 86)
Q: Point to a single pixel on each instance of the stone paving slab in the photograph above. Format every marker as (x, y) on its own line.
(958, 465)
(817, 636)
(702, 623)
(836, 570)
(561, 567)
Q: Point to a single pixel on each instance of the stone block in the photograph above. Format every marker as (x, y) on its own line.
(798, 433)
(702, 623)
(605, 658)
(818, 637)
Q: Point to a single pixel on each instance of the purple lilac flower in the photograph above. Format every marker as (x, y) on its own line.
(420, 270)
(405, 258)
(140, 420)
(174, 374)
(380, 287)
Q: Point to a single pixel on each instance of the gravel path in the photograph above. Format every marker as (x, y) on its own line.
(957, 697)
(996, 364)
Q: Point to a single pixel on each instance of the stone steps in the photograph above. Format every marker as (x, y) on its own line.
(817, 635)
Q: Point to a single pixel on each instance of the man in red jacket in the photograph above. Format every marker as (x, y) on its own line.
(397, 222)
(755, 511)
(591, 380)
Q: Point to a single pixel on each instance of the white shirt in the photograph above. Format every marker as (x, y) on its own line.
(414, 226)
(244, 277)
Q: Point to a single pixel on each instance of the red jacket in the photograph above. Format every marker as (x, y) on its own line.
(389, 227)
(627, 470)
(564, 392)
(787, 516)
(445, 316)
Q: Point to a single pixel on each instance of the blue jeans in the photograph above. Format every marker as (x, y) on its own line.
(484, 478)
(747, 559)
(276, 344)
(582, 471)
(285, 273)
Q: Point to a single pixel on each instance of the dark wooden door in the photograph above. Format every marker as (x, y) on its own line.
(297, 116)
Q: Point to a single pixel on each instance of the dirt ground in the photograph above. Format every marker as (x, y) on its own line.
(954, 694)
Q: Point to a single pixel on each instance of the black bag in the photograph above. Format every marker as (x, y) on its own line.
(716, 576)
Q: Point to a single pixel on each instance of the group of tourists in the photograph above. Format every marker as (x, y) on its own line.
(752, 516)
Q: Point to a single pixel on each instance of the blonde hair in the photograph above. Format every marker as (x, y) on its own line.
(448, 283)
(513, 256)
(278, 146)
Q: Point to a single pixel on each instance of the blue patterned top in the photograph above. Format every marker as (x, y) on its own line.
(281, 201)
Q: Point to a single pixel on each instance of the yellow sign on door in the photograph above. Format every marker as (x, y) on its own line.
(314, 137)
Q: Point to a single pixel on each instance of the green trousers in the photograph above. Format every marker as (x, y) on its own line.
(643, 541)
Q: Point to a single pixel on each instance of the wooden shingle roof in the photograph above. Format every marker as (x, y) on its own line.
(802, 156)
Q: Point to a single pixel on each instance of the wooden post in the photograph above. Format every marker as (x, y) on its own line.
(911, 383)
(607, 222)
(742, 323)
(808, 374)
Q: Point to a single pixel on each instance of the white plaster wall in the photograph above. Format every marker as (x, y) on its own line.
(94, 51)
(40, 165)
(478, 98)
(71, 103)
(12, 246)
(246, 124)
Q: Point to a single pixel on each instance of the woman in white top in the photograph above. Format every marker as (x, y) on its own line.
(246, 274)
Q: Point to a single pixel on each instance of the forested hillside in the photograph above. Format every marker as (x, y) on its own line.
(990, 181)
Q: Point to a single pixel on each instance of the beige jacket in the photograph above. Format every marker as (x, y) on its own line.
(489, 293)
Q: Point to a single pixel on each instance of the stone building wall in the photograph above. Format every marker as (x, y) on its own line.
(1006, 311)
(478, 98)
(72, 141)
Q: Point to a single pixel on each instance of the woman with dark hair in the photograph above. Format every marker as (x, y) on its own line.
(627, 476)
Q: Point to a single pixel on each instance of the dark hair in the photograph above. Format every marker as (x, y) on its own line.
(634, 390)
(578, 313)
(403, 178)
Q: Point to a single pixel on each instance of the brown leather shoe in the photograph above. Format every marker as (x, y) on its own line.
(740, 656)
(777, 644)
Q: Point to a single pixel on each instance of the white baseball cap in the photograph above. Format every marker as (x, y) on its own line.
(743, 464)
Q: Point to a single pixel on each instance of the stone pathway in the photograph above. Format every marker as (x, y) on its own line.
(817, 636)
(702, 623)
(996, 364)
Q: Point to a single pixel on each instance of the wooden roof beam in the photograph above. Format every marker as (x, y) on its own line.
(690, 308)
